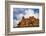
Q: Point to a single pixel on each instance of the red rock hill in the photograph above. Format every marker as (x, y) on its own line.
(29, 22)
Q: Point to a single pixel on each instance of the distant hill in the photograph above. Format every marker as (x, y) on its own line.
(29, 22)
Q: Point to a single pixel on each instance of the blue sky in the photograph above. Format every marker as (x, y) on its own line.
(17, 11)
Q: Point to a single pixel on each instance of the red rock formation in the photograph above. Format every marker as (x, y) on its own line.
(29, 22)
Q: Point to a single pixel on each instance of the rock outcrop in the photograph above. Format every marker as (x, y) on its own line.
(29, 22)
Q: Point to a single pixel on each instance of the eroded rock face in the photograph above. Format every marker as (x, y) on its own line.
(29, 22)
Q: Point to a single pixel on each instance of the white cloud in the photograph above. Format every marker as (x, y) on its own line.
(30, 12)
(36, 15)
(15, 22)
